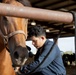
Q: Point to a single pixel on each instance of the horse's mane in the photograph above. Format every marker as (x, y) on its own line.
(24, 2)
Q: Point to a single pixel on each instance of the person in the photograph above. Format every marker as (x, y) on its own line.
(42, 65)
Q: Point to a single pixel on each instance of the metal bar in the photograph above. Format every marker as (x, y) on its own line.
(75, 38)
(35, 13)
(74, 16)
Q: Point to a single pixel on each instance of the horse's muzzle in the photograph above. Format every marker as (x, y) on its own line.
(20, 56)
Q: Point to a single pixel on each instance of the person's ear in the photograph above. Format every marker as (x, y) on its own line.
(42, 37)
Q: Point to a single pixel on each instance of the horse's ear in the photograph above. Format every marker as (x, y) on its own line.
(4, 18)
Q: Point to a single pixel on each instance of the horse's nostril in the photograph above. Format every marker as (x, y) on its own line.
(16, 55)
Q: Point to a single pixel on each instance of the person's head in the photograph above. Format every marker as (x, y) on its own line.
(37, 35)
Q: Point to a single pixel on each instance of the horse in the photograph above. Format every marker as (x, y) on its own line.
(68, 58)
(13, 34)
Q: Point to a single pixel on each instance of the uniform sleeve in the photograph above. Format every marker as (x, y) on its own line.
(52, 55)
(47, 61)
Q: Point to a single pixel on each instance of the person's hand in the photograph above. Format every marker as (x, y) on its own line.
(23, 70)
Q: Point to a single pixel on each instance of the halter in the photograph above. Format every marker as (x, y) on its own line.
(5, 38)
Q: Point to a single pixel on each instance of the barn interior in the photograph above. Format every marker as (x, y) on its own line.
(53, 28)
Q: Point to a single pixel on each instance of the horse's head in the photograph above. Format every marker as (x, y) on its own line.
(14, 33)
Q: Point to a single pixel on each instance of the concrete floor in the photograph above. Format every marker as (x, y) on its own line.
(71, 70)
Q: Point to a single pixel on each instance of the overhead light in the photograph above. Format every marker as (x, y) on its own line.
(73, 26)
(33, 23)
(62, 9)
(47, 30)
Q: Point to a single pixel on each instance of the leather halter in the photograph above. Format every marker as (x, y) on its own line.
(5, 38)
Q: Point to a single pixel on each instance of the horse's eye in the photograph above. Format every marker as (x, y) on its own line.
(5, 21)
(4, 18)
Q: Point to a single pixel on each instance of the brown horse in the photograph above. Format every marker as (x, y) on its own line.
(13, 33)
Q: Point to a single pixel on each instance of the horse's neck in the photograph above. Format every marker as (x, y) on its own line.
(5, 63)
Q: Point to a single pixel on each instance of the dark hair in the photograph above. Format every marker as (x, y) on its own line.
(36, 31)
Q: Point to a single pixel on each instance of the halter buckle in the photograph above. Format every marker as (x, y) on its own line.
(5, 39)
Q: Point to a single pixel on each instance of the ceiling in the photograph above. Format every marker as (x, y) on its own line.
(52, 28)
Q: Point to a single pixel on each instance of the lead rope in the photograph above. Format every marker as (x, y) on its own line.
(47, 53)
(74, 18)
